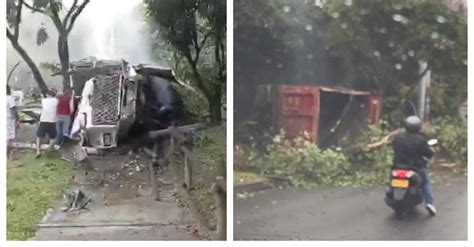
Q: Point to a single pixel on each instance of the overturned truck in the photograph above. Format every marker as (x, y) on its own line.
(115, 101)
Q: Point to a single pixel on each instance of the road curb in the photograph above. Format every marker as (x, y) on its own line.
(252, 187)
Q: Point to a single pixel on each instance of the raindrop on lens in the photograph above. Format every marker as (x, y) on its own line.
(343, 25)
(376, 53)
(434, 35)
(398, 66)
(310, 56)
(440, 19)
(400, 18)
(348, 2)
(397, 17)
(363, 12)
(411, 53)
(397, 6)
(308, 27)
(335, 14)
(286, 8)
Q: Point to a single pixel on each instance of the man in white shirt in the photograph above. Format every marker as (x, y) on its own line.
(12, 120)
(47, 124)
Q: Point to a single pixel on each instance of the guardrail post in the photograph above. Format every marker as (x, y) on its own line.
(151, 169)
(220, 197)
(188, 161)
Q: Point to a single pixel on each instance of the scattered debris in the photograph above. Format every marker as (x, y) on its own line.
(75, 200)
(448, 165)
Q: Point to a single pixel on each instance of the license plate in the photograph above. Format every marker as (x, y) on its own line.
(399, 183)
(107, 139)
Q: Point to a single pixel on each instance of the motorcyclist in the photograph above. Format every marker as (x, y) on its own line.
(411, 149)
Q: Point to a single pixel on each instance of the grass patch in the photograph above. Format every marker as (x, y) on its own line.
(241, 178)
(33, 186)
(211, 157)
(205, 203)
(211, 151)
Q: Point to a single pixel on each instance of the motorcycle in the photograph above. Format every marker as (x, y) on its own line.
(405, 190)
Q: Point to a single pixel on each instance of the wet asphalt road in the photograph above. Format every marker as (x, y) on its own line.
(347, 214)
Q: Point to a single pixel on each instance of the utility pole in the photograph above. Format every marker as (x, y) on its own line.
(422, 90)
(427, 96)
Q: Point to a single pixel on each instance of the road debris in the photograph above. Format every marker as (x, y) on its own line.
(75, 201)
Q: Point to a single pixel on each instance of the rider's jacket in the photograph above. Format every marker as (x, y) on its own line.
(409, 150)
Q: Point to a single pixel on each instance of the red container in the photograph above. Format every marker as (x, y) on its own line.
(299, 111)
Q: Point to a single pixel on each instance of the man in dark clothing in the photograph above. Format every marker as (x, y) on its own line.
(411, 149)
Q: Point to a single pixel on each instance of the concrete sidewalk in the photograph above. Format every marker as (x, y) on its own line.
(122, 207)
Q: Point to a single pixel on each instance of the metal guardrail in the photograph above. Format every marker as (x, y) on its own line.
(181, 139)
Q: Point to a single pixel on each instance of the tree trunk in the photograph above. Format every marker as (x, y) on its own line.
(36, 73)
(213, 95)
(215, 105)
(63, 51)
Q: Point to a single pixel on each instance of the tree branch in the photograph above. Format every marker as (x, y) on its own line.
(11, 37)
(200, 46)
(69, 13)
(33, 8)
(18, 20)
(76, 14)
(55, 17)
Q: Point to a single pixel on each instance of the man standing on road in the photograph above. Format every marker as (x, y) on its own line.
(411, 148)
(12, 120)
(49, 106)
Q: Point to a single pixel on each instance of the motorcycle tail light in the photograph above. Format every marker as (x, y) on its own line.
(402, 173)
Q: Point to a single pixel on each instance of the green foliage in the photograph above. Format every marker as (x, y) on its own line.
(372, 45)
(452, 136)
(194, 102)
(384, 40)
(42, 36)
(362, 158)
(204, 141)
(33, 186)
(11, 12)
(51, 67)
(303, 164)
(195, 30)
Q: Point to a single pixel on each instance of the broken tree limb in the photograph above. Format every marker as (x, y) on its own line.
(386, 139)
(11, 72)
(348, 104)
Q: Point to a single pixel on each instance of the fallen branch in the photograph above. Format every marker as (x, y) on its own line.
(386, 139)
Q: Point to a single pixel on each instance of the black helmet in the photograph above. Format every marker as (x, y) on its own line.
(413, 124)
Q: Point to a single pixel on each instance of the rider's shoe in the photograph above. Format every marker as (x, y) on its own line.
(431, 209)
